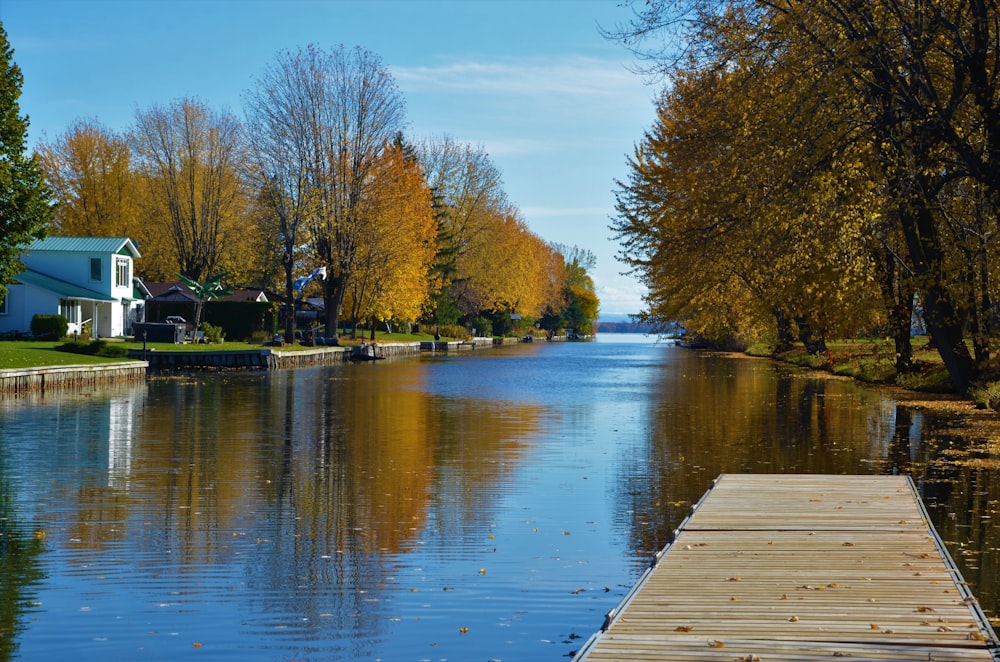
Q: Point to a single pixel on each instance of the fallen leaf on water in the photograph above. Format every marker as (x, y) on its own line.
(463, 630)
(197, 645)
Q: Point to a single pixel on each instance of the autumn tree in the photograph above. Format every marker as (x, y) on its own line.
(472, 204)
(349, 109)
(281, 166)
(915, 80)
(580, 303)
(190, 158)
(396, 245)
(25, 208)
(89, 171)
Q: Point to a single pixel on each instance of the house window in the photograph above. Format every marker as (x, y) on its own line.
(121, 272)
(3, 304)
(70, 310)
(95, 268)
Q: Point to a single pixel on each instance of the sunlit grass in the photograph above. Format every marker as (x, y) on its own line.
(19, 354)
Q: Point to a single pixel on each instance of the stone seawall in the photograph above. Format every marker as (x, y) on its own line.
(262, 359)
(35, 380)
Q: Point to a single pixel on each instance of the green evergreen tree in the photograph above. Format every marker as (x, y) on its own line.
(25, 200)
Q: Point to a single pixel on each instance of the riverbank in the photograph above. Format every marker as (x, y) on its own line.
(927, 388)
(59, 370)
(34, 380)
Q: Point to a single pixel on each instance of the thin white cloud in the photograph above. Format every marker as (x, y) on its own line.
(623, 297)
(575, 75)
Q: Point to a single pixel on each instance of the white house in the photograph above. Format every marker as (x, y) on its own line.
(84, 279)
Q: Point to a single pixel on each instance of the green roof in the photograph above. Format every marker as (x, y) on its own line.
(122, 245)
(60, 287)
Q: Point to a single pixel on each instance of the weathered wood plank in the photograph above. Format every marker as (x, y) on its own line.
(800, 568)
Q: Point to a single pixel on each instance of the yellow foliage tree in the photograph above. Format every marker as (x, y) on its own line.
(395, 243)
(89, 171)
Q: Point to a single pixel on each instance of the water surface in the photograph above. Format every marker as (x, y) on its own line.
(488, 505)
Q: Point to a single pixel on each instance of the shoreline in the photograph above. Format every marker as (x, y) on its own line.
(33, 380)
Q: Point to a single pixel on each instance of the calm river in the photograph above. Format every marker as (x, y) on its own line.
(487, 506)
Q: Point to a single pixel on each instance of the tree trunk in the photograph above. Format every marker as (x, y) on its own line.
(814, 344)
(940, 312)
(899, 319)
(333, 298)
(786, 336)
(290, 298)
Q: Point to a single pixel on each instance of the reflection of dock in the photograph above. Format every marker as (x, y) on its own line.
(773, 567)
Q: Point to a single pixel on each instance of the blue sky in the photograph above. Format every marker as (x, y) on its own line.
(531, 81)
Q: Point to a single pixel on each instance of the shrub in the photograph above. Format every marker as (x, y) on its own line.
(213, 334)
(95, 348)
(483, 326)
(987, 396)
(452, 331)
(50, 327)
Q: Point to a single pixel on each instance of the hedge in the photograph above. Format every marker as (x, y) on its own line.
(238, 319)
(49, 326)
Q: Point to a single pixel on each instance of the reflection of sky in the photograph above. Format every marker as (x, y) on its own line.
(518, 498)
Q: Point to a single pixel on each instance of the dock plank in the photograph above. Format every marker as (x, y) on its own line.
(800, 567)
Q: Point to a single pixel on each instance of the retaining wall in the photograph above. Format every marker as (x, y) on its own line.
(33, 380)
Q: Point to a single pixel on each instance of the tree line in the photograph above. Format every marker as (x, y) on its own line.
(819, 169)
(316, 176)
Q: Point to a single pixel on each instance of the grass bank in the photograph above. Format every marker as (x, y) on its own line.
(19, 354)
(873, 361)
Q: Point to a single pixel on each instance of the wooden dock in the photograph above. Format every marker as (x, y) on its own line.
(798, 567)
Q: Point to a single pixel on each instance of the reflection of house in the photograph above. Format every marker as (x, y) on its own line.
(84, 279)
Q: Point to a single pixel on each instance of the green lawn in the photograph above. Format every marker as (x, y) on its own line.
(15, 354)
(38, 353)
